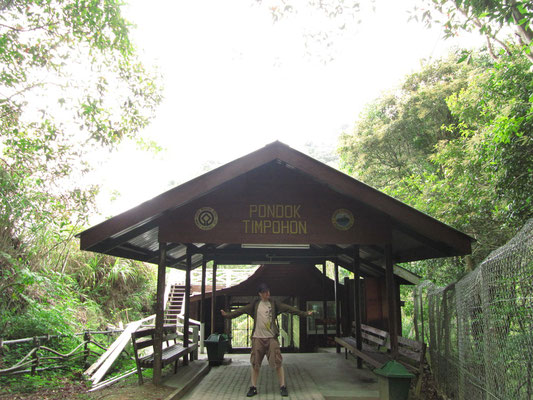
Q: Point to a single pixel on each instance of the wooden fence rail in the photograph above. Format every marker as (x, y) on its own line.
(41, 358)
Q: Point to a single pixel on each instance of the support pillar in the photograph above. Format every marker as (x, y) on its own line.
(390, 287)
(347, 316)
(202, 306)
(202, 298)
(337, 308)
(187, 303)
(357, 302)
(159, 314)
(324, 303)
(213, 296)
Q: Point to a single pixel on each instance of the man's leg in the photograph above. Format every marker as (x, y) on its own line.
(254, 375)
(281, 376)
(256, 357)
(275, 360)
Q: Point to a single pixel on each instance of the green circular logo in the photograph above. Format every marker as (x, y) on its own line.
(342, 219)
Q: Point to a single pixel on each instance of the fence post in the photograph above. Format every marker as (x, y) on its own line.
(488, 356)
(86, 339)
(461, 347)
(415, 316)
(446, 339)
(194, 355)
(35, 356)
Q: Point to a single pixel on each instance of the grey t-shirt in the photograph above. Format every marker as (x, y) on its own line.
(264, 320)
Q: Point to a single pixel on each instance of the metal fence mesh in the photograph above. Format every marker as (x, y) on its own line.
(480, 329)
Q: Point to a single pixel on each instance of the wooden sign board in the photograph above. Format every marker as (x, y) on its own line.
(275, 205)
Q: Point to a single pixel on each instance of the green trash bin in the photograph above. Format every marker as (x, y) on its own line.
(394, 381)
(217, 346)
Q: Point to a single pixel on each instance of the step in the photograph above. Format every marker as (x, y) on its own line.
(186, 378)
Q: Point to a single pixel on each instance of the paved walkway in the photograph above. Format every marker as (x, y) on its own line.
(309, 376)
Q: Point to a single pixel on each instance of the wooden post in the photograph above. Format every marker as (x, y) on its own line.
(391, 299)
(35, 355)
(325, 303)
(159, 314)
(227, 322)
(357, 302)
(346, 318)
(415, 316)
(202, 299)
(86, 340)
(186, 303)
(213, 296)
(337, 308)
(422, 331)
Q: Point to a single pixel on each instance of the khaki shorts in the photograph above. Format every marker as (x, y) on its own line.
(268, 346)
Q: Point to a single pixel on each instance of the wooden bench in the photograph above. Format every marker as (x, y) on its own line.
(376, 351)
(144, 338)
(374, 346)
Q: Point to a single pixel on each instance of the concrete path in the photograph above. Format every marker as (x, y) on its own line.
(309, 376)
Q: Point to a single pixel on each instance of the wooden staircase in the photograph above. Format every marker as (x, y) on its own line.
(174, 304)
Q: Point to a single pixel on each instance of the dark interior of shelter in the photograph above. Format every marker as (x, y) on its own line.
(304, 286)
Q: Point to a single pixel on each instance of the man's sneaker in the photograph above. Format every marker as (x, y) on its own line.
(283, 390)
(252, 391)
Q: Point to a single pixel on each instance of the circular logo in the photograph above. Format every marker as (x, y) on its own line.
(206, 218)
(342, 219)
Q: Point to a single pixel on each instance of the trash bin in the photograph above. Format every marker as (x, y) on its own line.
(217, 345)
(394, 381)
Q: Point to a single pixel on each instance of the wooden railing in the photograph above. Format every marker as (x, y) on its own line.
(41, 357)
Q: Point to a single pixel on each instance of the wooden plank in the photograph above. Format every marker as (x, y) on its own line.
(375, 331)
(415, 344)
(372, 338)
(112, 348)
(112, 380)
(351, 345)
(112, 355)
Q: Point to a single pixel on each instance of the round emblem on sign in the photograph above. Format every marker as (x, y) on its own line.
(342, 219)
(206, 218)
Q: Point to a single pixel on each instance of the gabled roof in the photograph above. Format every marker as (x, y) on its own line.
(135, 234)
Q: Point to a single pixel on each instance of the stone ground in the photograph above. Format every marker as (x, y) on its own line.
(318, 376)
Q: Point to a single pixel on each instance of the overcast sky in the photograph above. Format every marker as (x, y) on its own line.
(234, 80)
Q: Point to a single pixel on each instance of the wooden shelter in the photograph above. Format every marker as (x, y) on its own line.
(277, 205)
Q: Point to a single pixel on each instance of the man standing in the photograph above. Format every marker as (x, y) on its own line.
(264, 312)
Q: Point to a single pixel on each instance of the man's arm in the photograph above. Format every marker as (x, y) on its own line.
(239, 311)
(282, 308)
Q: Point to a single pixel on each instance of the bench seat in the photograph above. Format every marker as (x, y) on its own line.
(170, 354)
(372, 357)
(376, 347)
(144, 338)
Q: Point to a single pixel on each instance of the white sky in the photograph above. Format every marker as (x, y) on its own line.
(235, 81)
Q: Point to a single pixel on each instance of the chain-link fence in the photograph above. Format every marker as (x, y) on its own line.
(480, 329)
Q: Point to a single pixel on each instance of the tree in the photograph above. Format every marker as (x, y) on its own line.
(395, 133)
(70, 83)
(491, 18)
(454, 142)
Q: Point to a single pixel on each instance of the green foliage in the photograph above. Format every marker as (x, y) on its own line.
(491, 18)
(454, 141)
(70, 83)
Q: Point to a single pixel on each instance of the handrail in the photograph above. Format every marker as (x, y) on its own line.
(48, 337)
